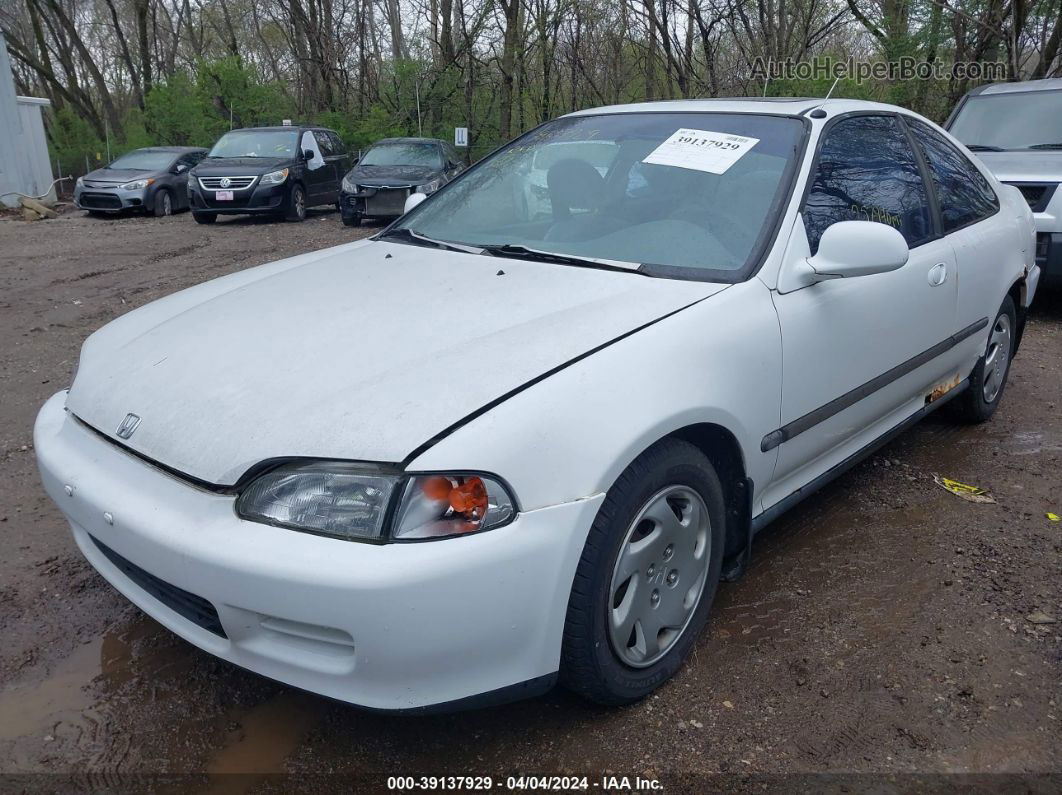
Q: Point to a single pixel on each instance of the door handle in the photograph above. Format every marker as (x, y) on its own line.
(938, 274)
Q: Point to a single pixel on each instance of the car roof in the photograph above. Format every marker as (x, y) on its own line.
(174, 149)
(779, 106)
(283, 127)
(1047, 84)
(410, 141)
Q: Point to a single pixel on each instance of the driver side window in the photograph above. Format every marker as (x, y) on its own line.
(866, 171)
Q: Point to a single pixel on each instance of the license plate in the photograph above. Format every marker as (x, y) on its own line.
(223, 195)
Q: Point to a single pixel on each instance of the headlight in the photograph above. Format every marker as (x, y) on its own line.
(360, 502)
(80, 182)
(275, 177)
(429, 187)
(191, 182)
(139, 184)
(348, 185)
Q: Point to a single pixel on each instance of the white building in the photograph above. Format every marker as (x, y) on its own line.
(24, 166)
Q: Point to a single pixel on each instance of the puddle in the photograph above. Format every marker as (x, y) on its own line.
(267, 735)
(36, 707)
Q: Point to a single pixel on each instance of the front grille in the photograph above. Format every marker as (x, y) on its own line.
(104, 185)
(1043, 248)
(226, 183)
(1037, 194)
(195, 608)
(102, 201)
(387, 201)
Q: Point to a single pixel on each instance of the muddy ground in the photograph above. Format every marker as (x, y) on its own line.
(884, 626)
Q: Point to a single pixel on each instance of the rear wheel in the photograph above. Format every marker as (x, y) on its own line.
(163, 204)
(297, 203)
(989, 377)
(352, 220)
(647, 576)
(205, 218)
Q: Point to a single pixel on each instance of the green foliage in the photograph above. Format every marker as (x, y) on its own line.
(72, 141)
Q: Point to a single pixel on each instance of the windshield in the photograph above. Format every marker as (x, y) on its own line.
(403, 155)
(683, 194)
(257, 143)
(1023, 120)
(144, 160)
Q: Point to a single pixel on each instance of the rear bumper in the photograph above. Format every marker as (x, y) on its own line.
(388, 627)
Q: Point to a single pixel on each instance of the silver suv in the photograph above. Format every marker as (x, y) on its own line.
(1016, 130)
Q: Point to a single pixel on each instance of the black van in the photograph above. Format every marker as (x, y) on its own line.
(268, 170)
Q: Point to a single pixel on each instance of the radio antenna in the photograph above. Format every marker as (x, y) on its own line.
(829, 93)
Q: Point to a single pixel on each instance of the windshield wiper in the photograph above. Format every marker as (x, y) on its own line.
(523, 252)
(1046, 146)
(984, 148)
(404, 234)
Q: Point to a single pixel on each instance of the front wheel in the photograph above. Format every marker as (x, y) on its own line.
(647, 576)
(989, 377)
(297, 204)
(163, 204)
(352, 220)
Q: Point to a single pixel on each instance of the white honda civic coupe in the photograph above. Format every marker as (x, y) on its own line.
(490, 449)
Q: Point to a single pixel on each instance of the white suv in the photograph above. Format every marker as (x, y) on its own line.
(1016, 130)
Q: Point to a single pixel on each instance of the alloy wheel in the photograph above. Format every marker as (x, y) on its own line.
(659, 576)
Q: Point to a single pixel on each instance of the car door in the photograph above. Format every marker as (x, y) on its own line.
(342, 157)
(858, 353)
(318, 174)
(180, 183)
(967, 202)
(333, 161)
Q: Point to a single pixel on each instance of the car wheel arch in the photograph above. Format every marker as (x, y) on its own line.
(721, 447)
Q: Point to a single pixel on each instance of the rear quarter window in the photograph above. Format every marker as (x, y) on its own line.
(964, 194)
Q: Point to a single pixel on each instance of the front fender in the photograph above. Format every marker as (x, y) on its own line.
(569, 436)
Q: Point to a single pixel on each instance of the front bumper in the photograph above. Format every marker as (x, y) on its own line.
(111, 200)
(249, 201)
(391, 627)
(374, 202)
(1049, 258)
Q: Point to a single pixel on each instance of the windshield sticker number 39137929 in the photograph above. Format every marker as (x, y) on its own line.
(701, 150)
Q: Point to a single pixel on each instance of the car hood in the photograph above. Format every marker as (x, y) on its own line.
(118, 175)
(1024, 166)
(383, 175)
(366, 351)
(239, 166)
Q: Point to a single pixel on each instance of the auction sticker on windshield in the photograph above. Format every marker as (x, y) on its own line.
(701, 150)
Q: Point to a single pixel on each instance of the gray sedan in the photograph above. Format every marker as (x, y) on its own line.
(151, 179)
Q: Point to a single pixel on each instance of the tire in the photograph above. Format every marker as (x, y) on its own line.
(205, 218)
(163, 204)
(296, 204)
(352, 220)
(598, 659)
(989, 378)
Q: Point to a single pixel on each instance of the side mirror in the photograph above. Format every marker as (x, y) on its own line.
(412, 201)
(858, 248)
(308, 154)
(180, 168)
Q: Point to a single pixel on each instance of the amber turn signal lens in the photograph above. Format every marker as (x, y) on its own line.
(437, 488)
(470, 498)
